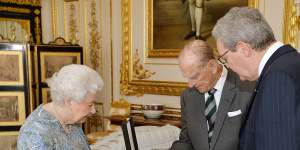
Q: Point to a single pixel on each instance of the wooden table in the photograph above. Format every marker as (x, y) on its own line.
(138, 121)
(94, 136)
(141, 121)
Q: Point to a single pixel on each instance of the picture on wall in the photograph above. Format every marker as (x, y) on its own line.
(50, 59)
(174, 23)
(51, 62)
(11, 69)
(15, 29)
(12, 108)
(9, 140)
(9, 108)
(175, 27)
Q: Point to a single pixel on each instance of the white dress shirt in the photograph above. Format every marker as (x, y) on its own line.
(219, 87)
(270, 51)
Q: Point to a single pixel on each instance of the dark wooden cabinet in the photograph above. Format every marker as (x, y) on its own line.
(46, 59)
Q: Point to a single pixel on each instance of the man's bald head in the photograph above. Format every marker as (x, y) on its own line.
(196, 52)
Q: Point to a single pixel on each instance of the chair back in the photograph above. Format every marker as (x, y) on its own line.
(129, 134)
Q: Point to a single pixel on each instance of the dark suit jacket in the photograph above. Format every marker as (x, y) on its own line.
(194, 134)
(273, 122)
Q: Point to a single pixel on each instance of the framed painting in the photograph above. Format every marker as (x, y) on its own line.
(15, 85)
(11, 68)
(131, 87)
(16, 30)
(51, 62)
(173, 23)
(20, 23)
(50, 58)
(12, 108)
(9, 140)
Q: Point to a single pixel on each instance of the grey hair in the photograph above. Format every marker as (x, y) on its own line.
(74, 82)
(200, 49)
(246, 25)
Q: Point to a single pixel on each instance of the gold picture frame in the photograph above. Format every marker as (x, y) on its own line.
(12, 108)
(11, 68)
(165, 39)
(28, 16)
(51, 62)
(132, 87)
(291, 23)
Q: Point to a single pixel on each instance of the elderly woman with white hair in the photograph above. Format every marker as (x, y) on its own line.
(56, 125)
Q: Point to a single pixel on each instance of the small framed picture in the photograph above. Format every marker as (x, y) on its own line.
(51, 62)
(11, 68)
(12, 108)
(8, 139)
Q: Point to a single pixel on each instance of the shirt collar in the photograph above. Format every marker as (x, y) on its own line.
(219, 85)
(270, 51)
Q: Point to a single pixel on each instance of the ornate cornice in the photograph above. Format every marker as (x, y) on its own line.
(73, 25)
(95, 40)
(23, 2)
(139, 71)
(126, 87)
(290, 33)
(163, 52)
(14, 9)
(53, 7)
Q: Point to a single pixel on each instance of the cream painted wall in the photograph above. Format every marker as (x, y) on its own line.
(273, 13)
(46, 16)
(112, 44)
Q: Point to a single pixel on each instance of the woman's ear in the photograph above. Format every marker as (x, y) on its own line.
(67, 102)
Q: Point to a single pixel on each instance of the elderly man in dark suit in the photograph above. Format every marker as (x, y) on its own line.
(214, 106)
(249, 47)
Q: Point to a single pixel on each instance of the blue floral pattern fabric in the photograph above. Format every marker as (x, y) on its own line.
(41, 131)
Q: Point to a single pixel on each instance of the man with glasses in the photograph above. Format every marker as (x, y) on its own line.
(251, 50)
(214, 105)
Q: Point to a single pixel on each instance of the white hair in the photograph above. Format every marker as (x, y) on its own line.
(74, 82)
(243, 24)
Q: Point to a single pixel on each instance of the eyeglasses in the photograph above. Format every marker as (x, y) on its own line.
(222, 60)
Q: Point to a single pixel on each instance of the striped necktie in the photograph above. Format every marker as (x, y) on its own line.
(210, 113)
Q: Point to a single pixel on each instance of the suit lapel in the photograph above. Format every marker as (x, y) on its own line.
(198, 117)
(226, 99)
(281, 51)
(247, 123)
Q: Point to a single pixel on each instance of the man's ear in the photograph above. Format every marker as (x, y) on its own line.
(213, 65)
(244, 48)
